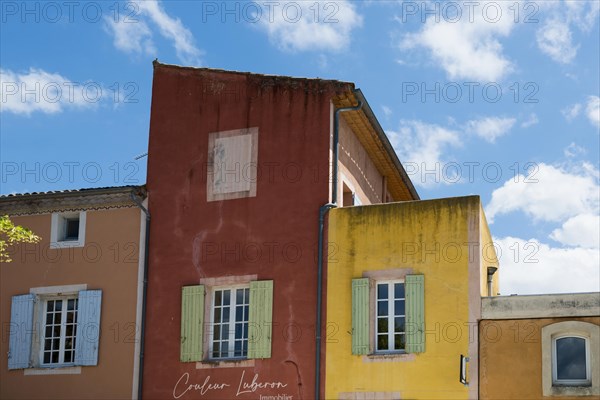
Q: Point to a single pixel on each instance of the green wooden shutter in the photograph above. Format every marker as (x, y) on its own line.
(192, 323)
(415, 313)
(260, 319)
(360, 316)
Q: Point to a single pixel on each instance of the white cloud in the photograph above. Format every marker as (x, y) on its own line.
(467, 48)
(533, 267)
(554, 38)
(571, 112)
(49, 93)
(309, 26)
(573, 150)
(421, 145)
(133, 35)
(592, 110)
(386, 111)
(548, 193)
(582, 13)
(582, 230)
(490, 128)
(532, 120)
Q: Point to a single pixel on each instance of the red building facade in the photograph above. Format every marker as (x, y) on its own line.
(239, 166)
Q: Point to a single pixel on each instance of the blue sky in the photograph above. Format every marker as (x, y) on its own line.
(494, 98)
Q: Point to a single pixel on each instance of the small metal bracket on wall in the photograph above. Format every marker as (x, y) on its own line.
(463, 370)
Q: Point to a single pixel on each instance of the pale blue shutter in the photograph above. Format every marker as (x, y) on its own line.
(360, 316)
(260, 319)
(21, 329)
(88, 327)
(415, 313)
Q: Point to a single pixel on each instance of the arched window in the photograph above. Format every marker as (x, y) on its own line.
(571, 360)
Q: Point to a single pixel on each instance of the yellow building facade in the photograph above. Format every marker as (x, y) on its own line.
(404, 288)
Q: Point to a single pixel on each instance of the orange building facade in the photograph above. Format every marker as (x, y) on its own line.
(540, 346)
(71, 304)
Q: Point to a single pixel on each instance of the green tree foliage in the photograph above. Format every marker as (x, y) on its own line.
(11, 234)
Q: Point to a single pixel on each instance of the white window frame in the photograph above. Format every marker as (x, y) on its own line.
(571, 382)
(58, 226)
(232, 322)
(63, 327)
(390, 317)
(43, 294)
(579, 328)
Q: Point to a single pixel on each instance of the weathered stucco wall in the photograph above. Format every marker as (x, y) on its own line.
(108, 261)
(272, 235)
(427, 237)
(511, 357)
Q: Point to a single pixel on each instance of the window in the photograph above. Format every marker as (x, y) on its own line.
(238, 321)
(59, 331)
(57, 326)
(571, 359)
(390, 326)
(232, 164)
(388, 315)
(68, 229)
(229, 338)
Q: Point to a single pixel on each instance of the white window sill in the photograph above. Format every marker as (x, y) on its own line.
(65, 244)
(53, 371)
(574, 391)
(389, 357)
(230, 363)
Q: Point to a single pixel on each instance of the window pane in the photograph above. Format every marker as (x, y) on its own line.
(399, 324)
(50, 306)
(382, 342)
(399, 307)
(382, 291)
(226, 297)
(382, 325)
(68, 356)
(55, 357)
(225, 332)
(48, 344)
(218, 296)
(215, 352)
(58, 305)
(72, 229)
(570, 358)
(239, 330)
(224, 349)
(399, 290)
(399, 342)
(382, 308)
(239, 313)
(71, 304)
(57, 317)
(217, 315)
(226, 315)
(46, 357)
(238, 348)
(239, 296)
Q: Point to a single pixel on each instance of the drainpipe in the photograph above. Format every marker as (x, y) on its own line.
(137, 201)
(490, 276)
(322, 212)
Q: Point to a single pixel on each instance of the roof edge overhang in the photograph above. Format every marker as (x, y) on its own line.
(373, 138)
(71, 200)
